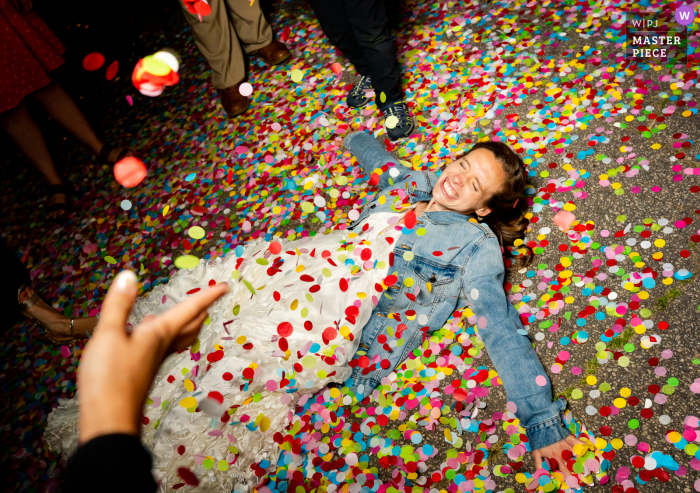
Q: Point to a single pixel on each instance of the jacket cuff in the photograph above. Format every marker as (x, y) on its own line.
(361, 387)
(549, 431)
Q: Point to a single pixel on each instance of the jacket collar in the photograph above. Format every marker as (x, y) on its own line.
(425, 193)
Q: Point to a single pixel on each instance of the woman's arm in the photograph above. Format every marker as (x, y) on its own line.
(519, 368)
(379, 165)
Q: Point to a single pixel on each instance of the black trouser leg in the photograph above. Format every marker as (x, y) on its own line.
(360, 30)
(333, 19)
(15, 276)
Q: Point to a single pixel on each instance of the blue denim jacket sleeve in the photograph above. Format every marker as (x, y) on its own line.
(512, 354)
(372, 157)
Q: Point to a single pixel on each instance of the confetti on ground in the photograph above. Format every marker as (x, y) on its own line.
(609, 302)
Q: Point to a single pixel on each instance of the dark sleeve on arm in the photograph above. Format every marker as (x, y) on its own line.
(110, 463)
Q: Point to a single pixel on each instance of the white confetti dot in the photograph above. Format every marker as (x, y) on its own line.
(353, 215)
(393, 172)
(391, 122)
(474, 294)
(422, 319)
(319, 201)
(126, 205)
(245, 89)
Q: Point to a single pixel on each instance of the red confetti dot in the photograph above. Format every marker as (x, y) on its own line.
(637, 461)
(605, 431)
(663, 325)
(112, 70)
(437, 254)
(329, 334)
(93, 61)
(604, 411)
(633, 401)
(374, 179)
(647, 413)
(276, 296)
(285, 329)
(275, 247)
(181, 449)
(410, 219)
(308, 325)
(390, 280)
(685, 253)
(248, 374)
(188, 476)
(227, 376)
(129, 172)
(215, 356)
(653, 361)
(216, 396)
(343, 285)
(144, 420)
(653, 389)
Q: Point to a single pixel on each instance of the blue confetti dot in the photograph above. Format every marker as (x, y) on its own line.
(191, 177)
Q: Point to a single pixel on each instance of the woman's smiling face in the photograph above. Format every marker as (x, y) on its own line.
(467, 184)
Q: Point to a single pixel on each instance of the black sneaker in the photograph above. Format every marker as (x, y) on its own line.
(404, 123)
(357, 97)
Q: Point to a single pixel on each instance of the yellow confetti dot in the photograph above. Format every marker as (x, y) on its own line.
(309, 362)
(625, 392)
(616, 443)
(620, 403)
(264, 424)
(189, 385)
(659, 243)
(591, 380)
(241, 339)
(294, 304)
(188, 402)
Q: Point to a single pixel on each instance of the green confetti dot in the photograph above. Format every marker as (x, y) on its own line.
(604, 387)
(223, 465)
(624, 361)
(576, 394)
(621, 218)
(633, 424)
(645, 312)
(422, 231)
(196, 232)
(186, 262)
(208, 463)
(262, 261)
(297, 75)
(629, 347)
(668, 390)
(673, 382)
(342, 180)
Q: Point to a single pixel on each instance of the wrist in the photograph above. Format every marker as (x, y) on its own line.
(97, 420)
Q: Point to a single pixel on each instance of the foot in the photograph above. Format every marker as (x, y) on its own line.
(357, 97)
(274, 53)
(117, 153)
(233, 101)
(61, 202)
(56, 324)
(402, 125)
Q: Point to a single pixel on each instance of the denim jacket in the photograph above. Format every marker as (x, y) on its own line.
(455, 262)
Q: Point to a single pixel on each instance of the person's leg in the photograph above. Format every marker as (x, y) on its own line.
(26, 135)
(217, 40)
(57, 324)
(334, 22)
(58, 103)
(252, 29)
(15, 275)
(371, 28)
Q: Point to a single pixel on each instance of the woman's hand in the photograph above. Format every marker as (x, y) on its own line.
(117, 368)
(554, 451)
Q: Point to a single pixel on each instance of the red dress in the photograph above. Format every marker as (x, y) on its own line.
(28, 51)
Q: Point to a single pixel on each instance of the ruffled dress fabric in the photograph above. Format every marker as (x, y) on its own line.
(213, 411)
(28, 52)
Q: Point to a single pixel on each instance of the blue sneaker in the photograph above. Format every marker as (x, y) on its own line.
(357, 97)
(403, 122)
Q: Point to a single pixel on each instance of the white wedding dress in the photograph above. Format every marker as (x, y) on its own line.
(283, 332)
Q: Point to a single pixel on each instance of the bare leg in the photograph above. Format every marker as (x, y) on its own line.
(63, 109)
(26, 135)
(57, 324)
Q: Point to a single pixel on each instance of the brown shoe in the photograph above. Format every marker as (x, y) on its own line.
(274, 53)
(233, 101)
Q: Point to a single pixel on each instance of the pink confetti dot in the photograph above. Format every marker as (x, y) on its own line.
(636, 190)
(65, 351)
(605, 233)
(541, 380)
(655, 189)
